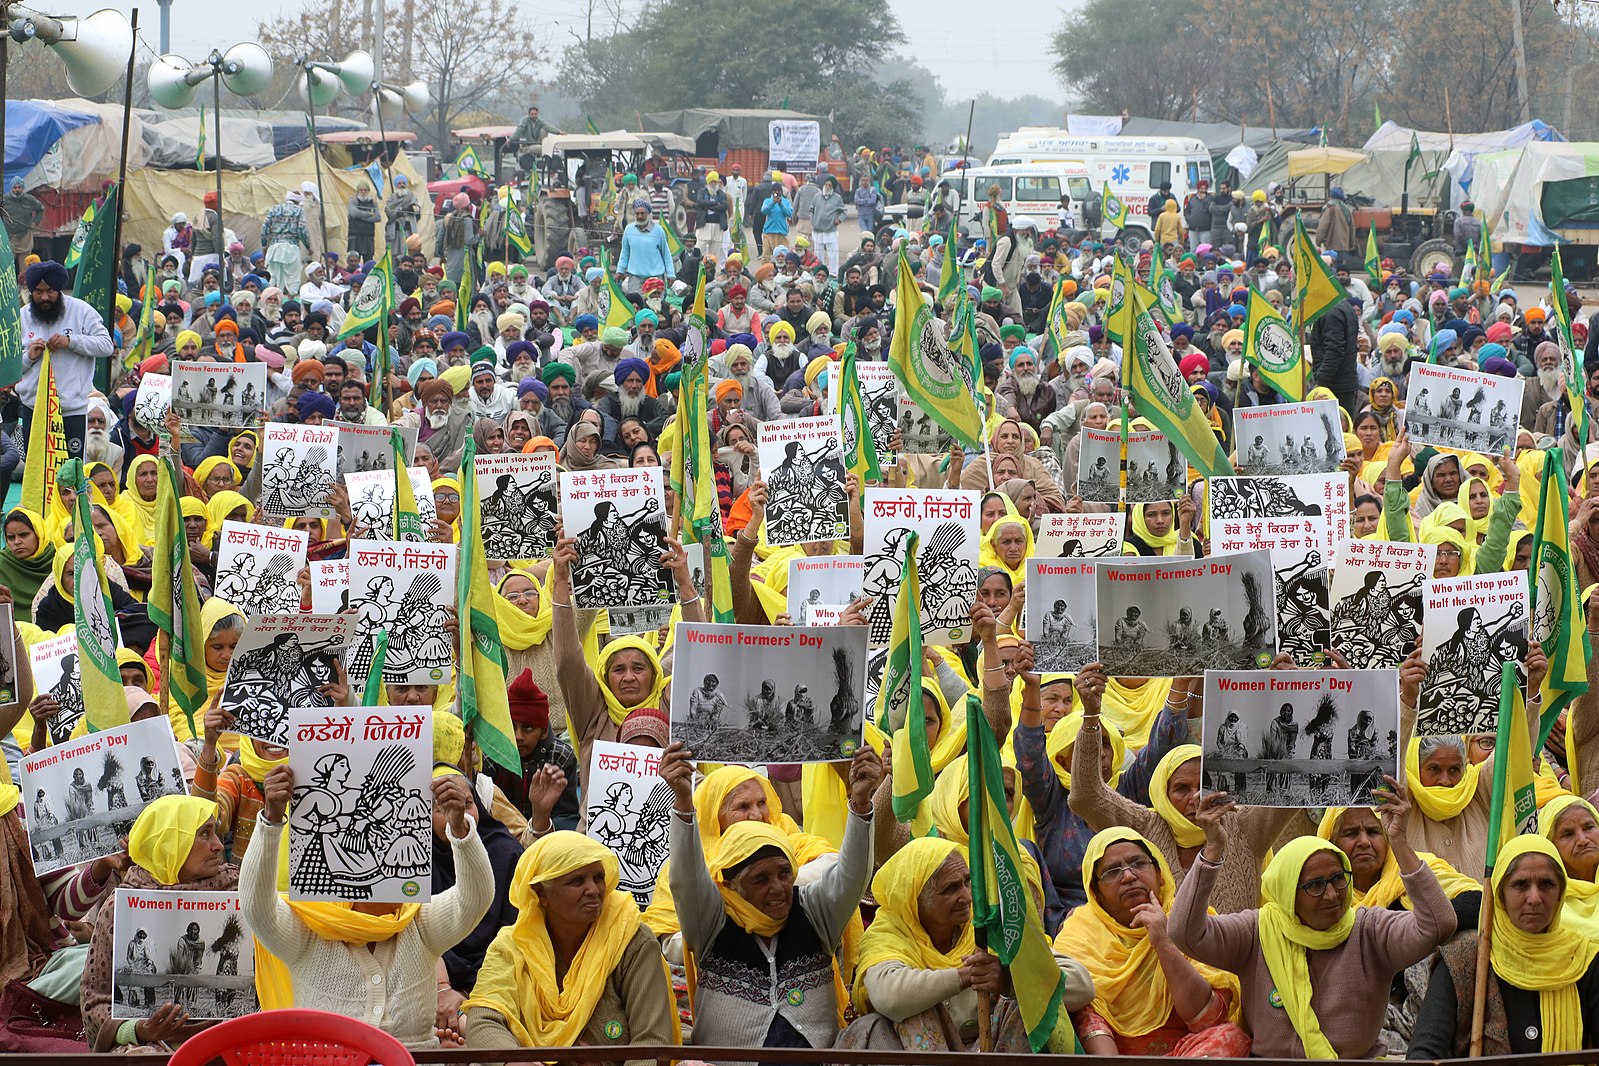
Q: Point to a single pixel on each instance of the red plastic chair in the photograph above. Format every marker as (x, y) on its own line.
(293, 1038)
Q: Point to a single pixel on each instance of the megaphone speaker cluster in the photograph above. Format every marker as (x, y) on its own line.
(245, 69)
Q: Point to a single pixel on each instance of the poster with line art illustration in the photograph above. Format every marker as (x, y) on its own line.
(619, 519)
(330, 586)
(153, 400)
(372, 501)
(802, 460)
(1377, 588)
(947, 521)
(404, 591)
(191, 948)
(1471, 626)
(517, 500)
(1079, 536)
(629, 811)
(56, 673)
(361, 816)
(257, 567)
(1296, 545)
(1279, 497)
(298, 469)
(283, 661)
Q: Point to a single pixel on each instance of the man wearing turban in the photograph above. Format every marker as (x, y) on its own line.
(631, 400)
(442, 423)
(72, 332)
(560, 378)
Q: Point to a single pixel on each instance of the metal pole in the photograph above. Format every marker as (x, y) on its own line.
(383, 136)
(1520, 44)
(316, 157)
(5, 54)
(216, 116)
(102, 370)
(166, 25)
(377, 39)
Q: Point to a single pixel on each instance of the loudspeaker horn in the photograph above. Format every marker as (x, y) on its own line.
(396, 104)
(251, 68)
(168, 84)
(324, 88)
(355, 71)
(98, 58)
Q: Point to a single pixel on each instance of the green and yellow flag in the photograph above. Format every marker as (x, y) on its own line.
(79, 235)
(1514, 809)
(1315, 288)
(373, 301)
(899, 699)
(1269, 344)
(515, 226)
(1373, 261)
(1055, 325)
(589, 126)
(674, 239)
(1570, 354)
(1558, 623)
(47, 440)
(926, 367)
(1112, 207)
(860, 451)
(463, 295)
(704, 514)
(143, 341)
(467, 161)
(949, 272)
(93, 615)
(174, 603)
(407, 519)
(482, 684)
(199, 151)
(1117, 307)
(619, 312)
(1004, 913)
(1161, 395)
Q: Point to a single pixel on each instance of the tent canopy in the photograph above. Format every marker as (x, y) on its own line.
(623, 140)
(1324, 160)
(1511, 187)
(1219, 137)
(33, 128)
(735, 127)
(1458, 151)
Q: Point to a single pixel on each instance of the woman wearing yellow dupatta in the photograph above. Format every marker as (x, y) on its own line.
(1007, 545)
(1161, 528)
(27, 558)
(1544, 995)
(921, 976)
(215, 475)
(372, 961)
(1308, 962)
(447, 500)
(1374, 869)
(578, 967)
(143, 478)
(522, 604)
(1149, 998)
(1572, 825)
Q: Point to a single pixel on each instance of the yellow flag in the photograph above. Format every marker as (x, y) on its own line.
(926, 367)
(1161, 395)
(1315, 288)
(47, 444)
(482, 684)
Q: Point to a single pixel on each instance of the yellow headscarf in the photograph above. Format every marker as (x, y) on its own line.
(163, 834)
(1435, 801)
(1389, 885)
(954, 787)
(1284, 939)
(1435, 530)
(1166, 545)
(1476, 528)
(1516, 537)
(339, 922)
(1186, 833)
(652, 698)
(127, 536)
(519, 630)
(896, 934)
(1064, 735)
(1548, 963)
(1130, 989)
(1131, 708)
(1494, 476)
(194, 507)
(742, 840)
(208, 466)
(988, 551)
(219, 507)
(1581, 903)
(255, 765)
(143, 513)
(518, 978)
(214, 611)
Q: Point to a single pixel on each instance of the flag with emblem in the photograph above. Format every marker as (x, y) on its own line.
(12, 363)
(1112, 207)
(372, 302)
(1055, 326)
(619, 309)
(407, 519)
(79, 235)
(47, 440)
(1163, 282)
(1269, 345)
(1514, 809)
(926, 367)
(516, 227)
(467, 161)
(1161, 395)
(949, 272)
(860, 451)
(899, 699)
(1570, 353)
(174, 603)
(1558, 623)
(1117, 306)
(1316, 290)
(481, 681)
(463, 295)
(1373, 262)
(143, 341)
(674, 239)
(93, 615)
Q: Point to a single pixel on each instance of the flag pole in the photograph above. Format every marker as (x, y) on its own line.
(985, 1007)
(1479, 998)
(102, 367)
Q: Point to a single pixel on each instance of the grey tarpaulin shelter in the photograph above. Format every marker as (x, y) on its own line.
(719, 130)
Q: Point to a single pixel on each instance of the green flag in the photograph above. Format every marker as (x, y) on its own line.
(467, 161)
(12, 364)
(674, 239)
(619, 310)
(516, 226)
(1116, 308)
(1558, 623)
(949, 272)
(373, 302)
(174, 602)
(79, 235)
(1513, 807)
(96, 280)
(1415, 153)
(1161, 395)
(589, 127)
(1373, 263)
(927, 368)
(407, 519)
(463, 296)
(899, 699)
(860, 451)
(1269, 344)
(1570, 354)
(143, 341)
(1055, 326)
(482, 682)
(199, 151)
(1316, 289)
(1376, 116)
(93, 615)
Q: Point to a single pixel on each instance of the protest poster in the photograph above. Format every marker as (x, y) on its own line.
(625, 620)
(516, 495)
(1301, 567)
(298, 468)
(224, 395)
(880, 397)
(629, 811)
(619, 520)
(361, 816)
(1099, 465)
(1470, 627)
(1078, 536)
(1178, 617)
(947, 521)
(404, 591)
(1278, 497)
(1377, 599)
(8, 657)
(330, 586)
(825, 580)
(56, 674)
(802, 460)
(282, 661)
(821, 614)
(372, 501)
(1464, 410)
(257, 567)
(1304, 738)
(82, 795)
(919, 432)
(181, 946)
(1306, 437)
(768, 694)
(153, 400)
(364, 448)
(1061, 623)
(1156, 470)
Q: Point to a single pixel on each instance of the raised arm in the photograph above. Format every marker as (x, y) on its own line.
(747, 608)
(700, 912)
(1090, 798)
(578, 683)
(448, 917)
(1225, 941)
(834, 898)
(1406, 937)
(269, 917)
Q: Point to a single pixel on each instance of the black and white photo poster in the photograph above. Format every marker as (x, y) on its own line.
(1099, 466)
(516, 494)
(1279, 497)
(361, 817)
(1377, 600)
(1296, 544)
(257, 567)
(153, 400)
(364, 448)
(802, 460)
(1179, 617)
(1471, 626)
(330, 586)
(619, 520)
(8, 657)
(1156, 470)
(1289, 438)
(1304, 738)
(1079, 536)
(768, 694)
(822, 581)
(298, 468)
(947, 521)
(628, 810)
(403, 590)
(225, 395)
(185, 947)
(56, 674)
(372, 501)
(1061, 623)
(83, 795)
(282, 661)
(1461, 409)
(920, 433)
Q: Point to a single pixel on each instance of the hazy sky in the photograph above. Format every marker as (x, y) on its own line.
(1005, 52)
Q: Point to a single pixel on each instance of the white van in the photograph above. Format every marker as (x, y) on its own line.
(1031, 189)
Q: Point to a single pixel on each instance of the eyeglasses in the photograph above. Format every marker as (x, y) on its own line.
(1450, 553)
(448, 497)
(1137, 866)
(1315, 889)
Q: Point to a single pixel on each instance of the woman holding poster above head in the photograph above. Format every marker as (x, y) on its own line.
(1161, 528)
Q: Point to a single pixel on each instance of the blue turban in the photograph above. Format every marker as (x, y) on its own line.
(1182, 329)
(1237, 309)
(245, 281)
(1020, 350)
(1404, 316)
(748, 340)
(632, 365)
(593, 274)
(454, 339)
(535, 386)
(316, 403)
(646, 313)
(48, 271)
(213, 298)
(1494, 361)
(418, 368)
(1392, 327)
(1443, 340)
(583, 322)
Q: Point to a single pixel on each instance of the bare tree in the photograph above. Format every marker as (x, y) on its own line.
(465, 49)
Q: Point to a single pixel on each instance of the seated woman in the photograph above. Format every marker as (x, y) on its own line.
(1544, 995)
(173, 844)
(765, 949)
(373, 961)
(921, 971)
(1572, 825)
(578, 967)
(1148, 997)
(1307, 961)
(1374, 879)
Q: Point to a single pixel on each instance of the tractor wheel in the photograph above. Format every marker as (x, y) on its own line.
(555, 220)
(1435, 255)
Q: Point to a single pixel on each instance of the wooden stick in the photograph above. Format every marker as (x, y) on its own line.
(1479, 998)
(985, 1006)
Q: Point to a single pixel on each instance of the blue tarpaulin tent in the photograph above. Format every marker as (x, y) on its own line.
(32, 129)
